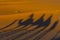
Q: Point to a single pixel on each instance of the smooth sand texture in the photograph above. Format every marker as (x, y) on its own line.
(22, 6)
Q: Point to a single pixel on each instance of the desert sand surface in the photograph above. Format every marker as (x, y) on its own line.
(15, 10)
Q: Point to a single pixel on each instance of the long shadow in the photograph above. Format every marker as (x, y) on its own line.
(26, 22)
(45, 24)
(42, 24)
(45, 32)
(20, 23)
(8, 25)
(39, 23)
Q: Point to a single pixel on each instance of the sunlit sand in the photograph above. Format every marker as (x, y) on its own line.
(21, 9)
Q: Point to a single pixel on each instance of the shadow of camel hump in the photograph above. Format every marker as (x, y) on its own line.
(35, 34)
